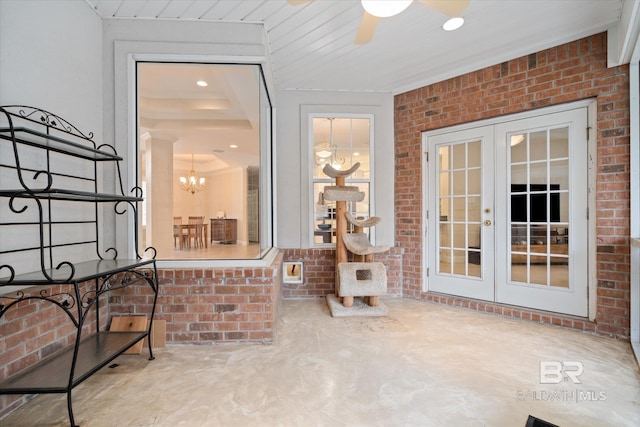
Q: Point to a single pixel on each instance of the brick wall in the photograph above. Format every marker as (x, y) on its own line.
(34, 329)
(319, 272)
(206, 306)
(570, 72)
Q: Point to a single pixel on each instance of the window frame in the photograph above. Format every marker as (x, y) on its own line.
(267, 158)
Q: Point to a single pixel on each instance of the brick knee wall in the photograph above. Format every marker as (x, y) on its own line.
(210, 305)
(570, 72)
(319, 272)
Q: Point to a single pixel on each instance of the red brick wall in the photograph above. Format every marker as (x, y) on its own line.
(319, 272)
(573, 71)
(204, 306)
(34, 329)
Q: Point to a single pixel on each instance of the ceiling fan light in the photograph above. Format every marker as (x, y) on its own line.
(453, 24)
(324, 153)
(385, 8)
(516, 139)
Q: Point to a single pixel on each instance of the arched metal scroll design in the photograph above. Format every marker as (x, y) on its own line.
(12, 274)
(137, 192)
(121, 208)
(44, 255)
(33, 191)
(49, 119)
(63, 300)
(117, 281)
(16, 158)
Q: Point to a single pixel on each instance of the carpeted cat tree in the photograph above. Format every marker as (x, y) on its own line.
(362, 277)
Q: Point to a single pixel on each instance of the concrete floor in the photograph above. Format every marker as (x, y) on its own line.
(423, 365)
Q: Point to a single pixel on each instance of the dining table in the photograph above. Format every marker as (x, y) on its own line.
(205, 231)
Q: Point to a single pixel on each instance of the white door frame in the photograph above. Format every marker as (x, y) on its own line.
(634, 83)
(591, 106)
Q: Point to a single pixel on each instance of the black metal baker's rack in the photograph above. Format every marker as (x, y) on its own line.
(47, 167)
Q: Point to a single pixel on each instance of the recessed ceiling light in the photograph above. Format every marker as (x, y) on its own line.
(453, 24)
(356, 154)
(233, 146)
(202, 83)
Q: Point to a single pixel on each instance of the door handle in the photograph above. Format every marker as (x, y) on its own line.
(487, 222)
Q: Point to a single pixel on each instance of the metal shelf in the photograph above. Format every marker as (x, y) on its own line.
(83, 271)
(50, 220)
(52, 374)
(68, 195)
(43, 140)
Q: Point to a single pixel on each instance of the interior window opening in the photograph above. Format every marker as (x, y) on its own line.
(204, 141)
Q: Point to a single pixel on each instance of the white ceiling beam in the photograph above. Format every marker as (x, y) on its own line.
(622, 40)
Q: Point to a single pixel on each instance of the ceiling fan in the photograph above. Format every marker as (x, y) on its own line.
(376, 9)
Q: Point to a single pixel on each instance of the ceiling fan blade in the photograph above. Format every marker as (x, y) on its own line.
(451, 8)
(367, 28)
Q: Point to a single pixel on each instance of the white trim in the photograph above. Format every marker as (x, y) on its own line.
(424, 161)
(622, 39)
(132, 145)
(592, 238)
(131, 129)
(205, 59)
(514, 117)
(274, 177)
(265, 261)
(634, 172)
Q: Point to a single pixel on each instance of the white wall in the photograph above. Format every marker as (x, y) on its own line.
(293, 172)
(51, 58)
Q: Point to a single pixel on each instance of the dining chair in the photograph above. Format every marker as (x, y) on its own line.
(196, 232)
(179, 234)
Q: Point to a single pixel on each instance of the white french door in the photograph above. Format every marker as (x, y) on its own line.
(544, 214)
(460, 214)
(507, 212)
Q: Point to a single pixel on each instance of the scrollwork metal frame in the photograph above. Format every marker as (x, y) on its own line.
(54, 126)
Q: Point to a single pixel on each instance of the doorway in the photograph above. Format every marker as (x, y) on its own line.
(506, 211)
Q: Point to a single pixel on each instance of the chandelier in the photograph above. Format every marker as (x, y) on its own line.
(329, 154)
(192, 183)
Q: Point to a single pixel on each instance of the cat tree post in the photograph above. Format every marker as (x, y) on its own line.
(341, 228)
(341, 194)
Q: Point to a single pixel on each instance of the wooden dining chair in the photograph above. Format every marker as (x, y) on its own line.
(196, 232)
(180, 237)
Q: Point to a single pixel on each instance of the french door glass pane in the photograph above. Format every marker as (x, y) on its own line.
(459, 209)
(539, 207)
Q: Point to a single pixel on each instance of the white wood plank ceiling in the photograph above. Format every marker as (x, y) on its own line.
(312, 42)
